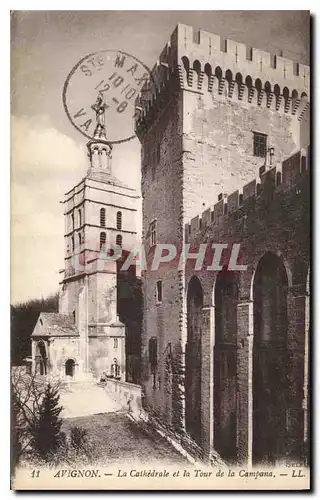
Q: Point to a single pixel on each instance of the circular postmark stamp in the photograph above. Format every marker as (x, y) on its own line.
(114, 77)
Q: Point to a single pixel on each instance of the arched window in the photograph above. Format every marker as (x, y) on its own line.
(80, 217)
(115, 369)
(153, 353)
(119, 220)
(119, 240)
(103, 239)
(103, 217)
(70, 367)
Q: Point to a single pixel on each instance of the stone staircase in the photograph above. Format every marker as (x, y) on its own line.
(86, 398)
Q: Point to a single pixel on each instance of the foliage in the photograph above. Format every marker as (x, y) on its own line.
(46, 429)
(78, 438)
(27, 393)
(23, 319)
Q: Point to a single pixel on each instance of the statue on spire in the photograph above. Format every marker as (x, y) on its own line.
(99, 107)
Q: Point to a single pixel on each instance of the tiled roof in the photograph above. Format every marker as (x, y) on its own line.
(56, 324)
(102, 176)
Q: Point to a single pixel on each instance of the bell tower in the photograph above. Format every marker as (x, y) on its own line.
(99, 150)
(100, 213)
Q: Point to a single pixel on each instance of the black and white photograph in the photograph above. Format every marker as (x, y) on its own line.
(160, 250)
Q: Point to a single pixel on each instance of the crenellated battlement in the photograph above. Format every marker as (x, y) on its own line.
(273, 178)
(206, 63)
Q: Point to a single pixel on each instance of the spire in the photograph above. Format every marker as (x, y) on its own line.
(99, 150)
(99, 107)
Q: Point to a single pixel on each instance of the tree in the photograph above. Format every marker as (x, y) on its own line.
(23, 319)
(46, 429)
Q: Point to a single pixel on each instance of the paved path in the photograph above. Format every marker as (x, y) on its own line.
(85, 398)
(114, 438)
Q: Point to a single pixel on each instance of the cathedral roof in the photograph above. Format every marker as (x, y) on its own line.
(103, 176)
(55, 324)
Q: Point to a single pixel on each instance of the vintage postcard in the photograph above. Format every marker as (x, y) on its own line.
(161, 196)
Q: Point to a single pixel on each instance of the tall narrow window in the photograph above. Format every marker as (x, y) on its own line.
(72, 221)
(259, 144)
(159, 292)
(158, 153)
(223, 45)
(119, 220)
(249, 53)
(119, 240)
(153, 232)
(273, 59)
(80, 217)
(102, 217)
(103, 239)
(153, 358)
(72, 243)
(80, 240)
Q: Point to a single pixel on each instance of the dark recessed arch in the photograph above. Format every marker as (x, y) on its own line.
(186, 63)
(270, 358)
(285, 93)
(193, 359)
(294, 94)
(239, 78)
(249, 82)
(226, 296)
(276, 90)
(218, 72)
(258, 84)
(267, 87)
(229, 75)
(196, 66)
(208, 69)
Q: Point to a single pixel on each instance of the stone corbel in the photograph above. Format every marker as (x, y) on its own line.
(261, 94)
(241, 89)
(231, 88)
(200, 80)
(269, 99)
(221, 85)
(295, 106)
(287, 104)
(279, 99)
(251, 94)
(211, 80)
(190, 77)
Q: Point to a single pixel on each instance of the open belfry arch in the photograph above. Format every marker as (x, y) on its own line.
(86, 336)
(224, 130)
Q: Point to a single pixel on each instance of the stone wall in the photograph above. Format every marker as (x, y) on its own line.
(196, 122)
(276, 220)
(127, 395)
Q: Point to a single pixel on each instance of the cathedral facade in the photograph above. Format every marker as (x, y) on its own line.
(224, 135)
(87, 338)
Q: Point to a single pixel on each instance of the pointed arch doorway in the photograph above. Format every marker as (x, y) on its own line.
(193, 359)
(270, 360)
(225, 365)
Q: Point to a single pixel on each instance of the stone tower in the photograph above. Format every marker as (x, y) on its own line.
(100, 213)
(214, 112)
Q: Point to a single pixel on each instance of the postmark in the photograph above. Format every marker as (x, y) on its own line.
(117, 76)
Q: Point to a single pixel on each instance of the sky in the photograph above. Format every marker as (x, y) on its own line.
(48, 155)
